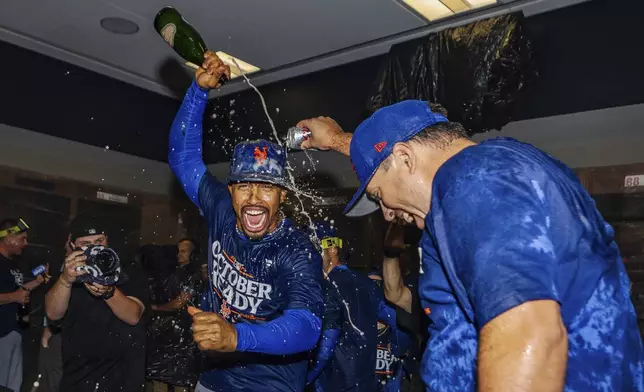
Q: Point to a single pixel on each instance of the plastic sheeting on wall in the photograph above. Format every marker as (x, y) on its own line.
(476, 72)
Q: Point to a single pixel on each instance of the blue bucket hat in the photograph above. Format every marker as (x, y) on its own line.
(375, 138)
(258, 161)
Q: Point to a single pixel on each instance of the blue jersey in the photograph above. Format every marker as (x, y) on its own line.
(509, 224)
(393, 344)
(251, 282)
(353, 303)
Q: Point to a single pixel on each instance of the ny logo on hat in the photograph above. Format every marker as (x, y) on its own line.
(380, 146)
(260, 155)
(91, 231)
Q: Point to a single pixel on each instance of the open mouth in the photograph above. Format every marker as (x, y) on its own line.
(254, 219)
(405, 217)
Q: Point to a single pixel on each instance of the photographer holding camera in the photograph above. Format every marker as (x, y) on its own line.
(100, 308)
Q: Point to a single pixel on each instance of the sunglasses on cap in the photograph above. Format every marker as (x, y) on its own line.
(19, 228)
(330, 242)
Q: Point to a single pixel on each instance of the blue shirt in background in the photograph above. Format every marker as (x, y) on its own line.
(353, 303)
(509, 224)
(393, 345)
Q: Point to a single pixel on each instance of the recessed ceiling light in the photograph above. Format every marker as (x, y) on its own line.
(438, 9)
(118, 25)
(234, 70)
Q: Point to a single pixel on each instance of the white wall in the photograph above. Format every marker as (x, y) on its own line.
(598, 138)
(53, 156)
(603, 137)
(58, 157)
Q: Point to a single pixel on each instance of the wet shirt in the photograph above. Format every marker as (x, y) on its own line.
(10, 280)
(392, 346)
(101, 353)
(352, 302)
(509, 224)
(255, 281)
(171, 354)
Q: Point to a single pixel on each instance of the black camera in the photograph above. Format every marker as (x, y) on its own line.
(103, 266)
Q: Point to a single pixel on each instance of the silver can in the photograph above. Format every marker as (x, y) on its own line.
(295, 137)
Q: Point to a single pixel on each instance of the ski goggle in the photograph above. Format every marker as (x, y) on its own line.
(19, 228)
(330, 242)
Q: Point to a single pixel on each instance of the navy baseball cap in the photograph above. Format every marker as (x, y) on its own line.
(258, 161)
(324, 230)
(375, 138)
(85, 225)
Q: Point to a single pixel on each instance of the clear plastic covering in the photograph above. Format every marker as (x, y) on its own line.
(171, 355)
(476, 72)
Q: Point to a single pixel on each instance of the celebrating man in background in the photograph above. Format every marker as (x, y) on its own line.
(346, 357)
(14, 292)
(264, 302)
(521, 278)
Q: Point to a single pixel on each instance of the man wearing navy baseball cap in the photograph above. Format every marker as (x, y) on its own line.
(263, 305)
(521, 276)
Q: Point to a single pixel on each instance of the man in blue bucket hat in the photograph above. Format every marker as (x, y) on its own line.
(261, 312)
(521, 276)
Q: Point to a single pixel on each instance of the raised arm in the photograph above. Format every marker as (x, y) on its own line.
(395, 290)
(326, 134)
(57, 298)
(185, 156)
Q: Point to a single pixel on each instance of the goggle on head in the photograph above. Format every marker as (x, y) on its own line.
(19, 228)
(329, 242)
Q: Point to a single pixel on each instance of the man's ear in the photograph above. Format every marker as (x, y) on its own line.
(283, 195)
(405, 157)
(230, 189)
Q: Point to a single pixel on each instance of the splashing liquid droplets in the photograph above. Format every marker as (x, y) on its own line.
(289, 169)
(298, 192)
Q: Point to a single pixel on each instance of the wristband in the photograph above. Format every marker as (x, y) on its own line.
(109, 293)
(392, 253)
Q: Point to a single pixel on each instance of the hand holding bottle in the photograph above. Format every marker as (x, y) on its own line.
(20, 296)
(210, 74)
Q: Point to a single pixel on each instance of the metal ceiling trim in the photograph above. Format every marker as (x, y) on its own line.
(375, 47)
(318, 63)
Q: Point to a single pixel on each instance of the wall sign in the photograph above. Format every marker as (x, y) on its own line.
(634, 181)
(111, 197)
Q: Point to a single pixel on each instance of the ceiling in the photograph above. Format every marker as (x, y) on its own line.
(269, 34)
(70, 102)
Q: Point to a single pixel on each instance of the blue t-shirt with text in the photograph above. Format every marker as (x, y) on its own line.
(509, 224)
(255, 281)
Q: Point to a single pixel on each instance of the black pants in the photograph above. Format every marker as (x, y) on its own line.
(50, 365)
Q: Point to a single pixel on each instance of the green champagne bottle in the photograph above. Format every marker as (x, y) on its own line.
(182, 37)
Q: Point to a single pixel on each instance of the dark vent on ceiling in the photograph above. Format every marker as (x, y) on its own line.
(36, 184)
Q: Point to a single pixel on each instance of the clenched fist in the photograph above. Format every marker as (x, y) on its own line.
(211, 332)
(209, 75)
(20, 296)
